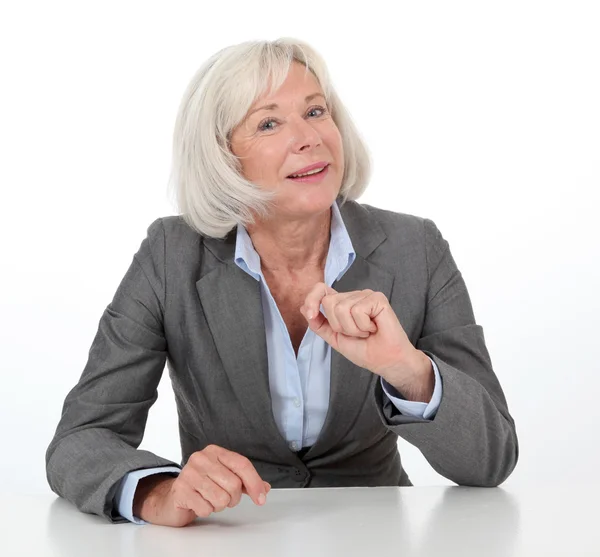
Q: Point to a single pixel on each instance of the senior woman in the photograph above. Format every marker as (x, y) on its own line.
(303, 332)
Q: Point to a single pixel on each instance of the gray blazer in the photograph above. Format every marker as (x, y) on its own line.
(185, 302)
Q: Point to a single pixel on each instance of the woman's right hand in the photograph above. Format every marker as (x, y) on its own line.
(212, 480)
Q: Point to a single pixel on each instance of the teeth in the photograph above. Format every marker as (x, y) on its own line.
(317, 170)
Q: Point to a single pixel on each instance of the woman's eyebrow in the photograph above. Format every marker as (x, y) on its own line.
(273, 106)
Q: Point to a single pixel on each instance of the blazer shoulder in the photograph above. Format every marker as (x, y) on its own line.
(170, 240)
(408, 232)
(174, 226)
(173, 230)
(396, 223)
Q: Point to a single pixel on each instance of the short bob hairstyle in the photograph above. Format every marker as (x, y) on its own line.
(210, 192)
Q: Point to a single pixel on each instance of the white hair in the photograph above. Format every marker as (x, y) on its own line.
(210, 191)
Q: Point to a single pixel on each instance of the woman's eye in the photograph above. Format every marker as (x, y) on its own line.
(317, 109)
(263, 125)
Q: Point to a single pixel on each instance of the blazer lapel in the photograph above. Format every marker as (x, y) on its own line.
(231, 300)
(350, 384)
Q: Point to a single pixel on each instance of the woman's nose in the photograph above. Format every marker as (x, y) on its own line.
(305, 136)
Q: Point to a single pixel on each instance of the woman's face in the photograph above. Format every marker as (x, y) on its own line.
(283, 134)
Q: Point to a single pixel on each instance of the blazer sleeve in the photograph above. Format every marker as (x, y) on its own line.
(472, 439)
(104, 415)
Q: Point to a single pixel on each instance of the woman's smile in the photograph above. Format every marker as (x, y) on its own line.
(313, 177)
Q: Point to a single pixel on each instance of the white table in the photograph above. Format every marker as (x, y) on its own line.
(376, 521)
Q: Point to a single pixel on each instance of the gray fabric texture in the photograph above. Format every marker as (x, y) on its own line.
(183, 302)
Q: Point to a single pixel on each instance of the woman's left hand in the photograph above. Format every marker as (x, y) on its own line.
(363, 327)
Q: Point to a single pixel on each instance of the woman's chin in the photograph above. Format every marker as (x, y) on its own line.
(312, 194)
(311, 203)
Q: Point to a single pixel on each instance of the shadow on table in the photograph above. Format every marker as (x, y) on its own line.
(465, 521)
(290, 524)
(472, 521)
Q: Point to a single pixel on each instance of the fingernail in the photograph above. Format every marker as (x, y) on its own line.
(262, 499)
(310, 314)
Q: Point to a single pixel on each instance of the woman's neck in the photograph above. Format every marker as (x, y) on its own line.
(291, 247)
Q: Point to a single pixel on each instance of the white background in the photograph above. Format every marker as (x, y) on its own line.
(482, 116)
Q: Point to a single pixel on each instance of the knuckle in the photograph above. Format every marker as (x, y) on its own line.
(197, 459)
(216, 501)
(355, 310)
(204, 510)
(222, 500)
(243, 463)
(236, 496)
(199, 455)
(214, 497)
(234, 485)
(345, 305)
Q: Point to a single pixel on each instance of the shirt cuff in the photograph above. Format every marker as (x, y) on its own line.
(416, 409)
(126, 491)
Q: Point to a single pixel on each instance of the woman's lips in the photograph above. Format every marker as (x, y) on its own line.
(312, 178)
